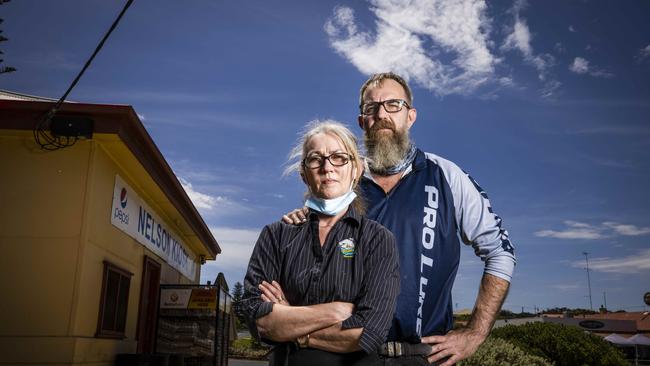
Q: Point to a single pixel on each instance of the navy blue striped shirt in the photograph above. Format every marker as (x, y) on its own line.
(358, 264)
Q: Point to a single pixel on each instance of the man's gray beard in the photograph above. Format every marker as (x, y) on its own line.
(384, 152)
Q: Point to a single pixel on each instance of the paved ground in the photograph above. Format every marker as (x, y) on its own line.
(237, 362)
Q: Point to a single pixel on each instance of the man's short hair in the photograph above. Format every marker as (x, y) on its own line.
(377, 79)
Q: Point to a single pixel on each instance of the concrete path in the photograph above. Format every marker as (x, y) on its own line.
(238, 362)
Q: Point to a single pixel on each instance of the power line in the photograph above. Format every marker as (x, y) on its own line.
(46, 139)
(591, 305)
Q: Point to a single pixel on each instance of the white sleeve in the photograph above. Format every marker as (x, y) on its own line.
(478, 225)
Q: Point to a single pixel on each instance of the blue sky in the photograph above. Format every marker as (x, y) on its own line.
(546, 104)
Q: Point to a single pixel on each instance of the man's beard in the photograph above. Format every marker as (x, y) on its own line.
(385, 150)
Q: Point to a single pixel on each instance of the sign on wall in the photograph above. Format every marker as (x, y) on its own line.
(135, 218)
(194, 298)
(175, 298)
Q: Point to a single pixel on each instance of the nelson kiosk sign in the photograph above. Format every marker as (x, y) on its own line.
(135, 218)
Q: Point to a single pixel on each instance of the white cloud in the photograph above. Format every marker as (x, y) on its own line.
(584, 231)
(200, 200)
(627, 230)
(614, 163)
(581, 66)
(631, 264)
(412, 37)
(236, 248)
(236, 245)
(214, 205)
(520, 39)
(571, 29)
(550, 88)
(566, 287)
(644, 53)
(53, 60)
(574, 230)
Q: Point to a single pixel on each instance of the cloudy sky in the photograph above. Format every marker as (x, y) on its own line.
(546, 104)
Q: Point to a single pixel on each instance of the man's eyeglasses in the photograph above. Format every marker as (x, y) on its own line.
(390, 105)
(316, 161)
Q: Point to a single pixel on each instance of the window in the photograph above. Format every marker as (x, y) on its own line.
(114, 302)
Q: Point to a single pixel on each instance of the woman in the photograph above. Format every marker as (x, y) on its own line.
(324, 292)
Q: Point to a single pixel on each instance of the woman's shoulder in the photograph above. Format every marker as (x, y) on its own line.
(280, 229)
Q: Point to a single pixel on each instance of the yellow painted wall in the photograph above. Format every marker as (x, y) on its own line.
(55, 233)
(40, 223)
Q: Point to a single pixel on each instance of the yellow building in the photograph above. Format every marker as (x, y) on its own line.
(87, 234)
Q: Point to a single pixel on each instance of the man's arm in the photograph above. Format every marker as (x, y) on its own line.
(481, 227)
(460, 344)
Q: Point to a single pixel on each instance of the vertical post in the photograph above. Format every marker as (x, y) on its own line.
(586, 254)
(605, 299)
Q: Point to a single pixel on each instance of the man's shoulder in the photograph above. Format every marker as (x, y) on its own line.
(438, 160)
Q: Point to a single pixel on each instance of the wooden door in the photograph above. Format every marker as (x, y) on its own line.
(148, 309)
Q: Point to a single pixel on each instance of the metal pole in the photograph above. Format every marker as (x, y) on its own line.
(586, 254)
(605, 299)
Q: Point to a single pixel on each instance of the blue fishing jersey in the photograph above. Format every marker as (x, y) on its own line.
(434, 207)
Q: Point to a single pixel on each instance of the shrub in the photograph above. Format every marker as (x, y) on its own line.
(498, 352)
(247, 347)
(564, 345)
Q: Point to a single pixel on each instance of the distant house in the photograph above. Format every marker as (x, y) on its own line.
(88, 233)
(626, 324)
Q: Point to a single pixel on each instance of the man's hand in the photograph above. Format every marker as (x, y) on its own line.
(296, 217)
(460, 344)
(454, 346)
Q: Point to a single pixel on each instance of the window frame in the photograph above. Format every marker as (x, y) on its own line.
(108, 333)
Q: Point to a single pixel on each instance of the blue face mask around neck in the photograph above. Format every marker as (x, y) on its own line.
(330, 207)
(333, 206)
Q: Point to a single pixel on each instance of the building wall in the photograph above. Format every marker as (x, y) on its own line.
(55, 232)
(42, 195)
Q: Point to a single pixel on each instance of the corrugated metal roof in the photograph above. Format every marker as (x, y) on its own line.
(10, 95)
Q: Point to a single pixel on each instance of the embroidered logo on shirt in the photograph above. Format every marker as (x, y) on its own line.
(346, 247)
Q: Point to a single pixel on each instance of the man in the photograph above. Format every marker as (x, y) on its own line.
(427, 202)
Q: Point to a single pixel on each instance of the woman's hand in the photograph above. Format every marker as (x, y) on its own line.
(272, 292)
(296, 217)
